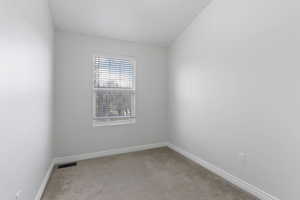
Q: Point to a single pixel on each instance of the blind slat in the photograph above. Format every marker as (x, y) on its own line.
(114, 73)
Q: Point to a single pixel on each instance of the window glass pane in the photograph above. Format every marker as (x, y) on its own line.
(116, 105)
(114, 73)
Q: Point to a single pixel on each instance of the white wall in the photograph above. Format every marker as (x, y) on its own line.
(74, 133)
(234, 87)
(25, 96)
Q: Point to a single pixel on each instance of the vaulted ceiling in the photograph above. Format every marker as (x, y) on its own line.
(148, 21)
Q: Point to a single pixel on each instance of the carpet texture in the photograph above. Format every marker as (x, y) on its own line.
(158, 174)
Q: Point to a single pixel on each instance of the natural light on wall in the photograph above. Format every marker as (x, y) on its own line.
(113, 91)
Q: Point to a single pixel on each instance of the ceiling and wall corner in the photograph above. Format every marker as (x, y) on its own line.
(144, 21)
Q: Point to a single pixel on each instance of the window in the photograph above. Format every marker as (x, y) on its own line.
(113, 91)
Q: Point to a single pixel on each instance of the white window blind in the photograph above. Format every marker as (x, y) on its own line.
(113, 90)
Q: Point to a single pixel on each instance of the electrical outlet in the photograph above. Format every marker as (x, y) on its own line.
(18, 195)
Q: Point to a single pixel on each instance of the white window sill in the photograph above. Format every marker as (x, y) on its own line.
(113, 123)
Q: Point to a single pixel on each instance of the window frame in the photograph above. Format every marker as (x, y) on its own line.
(117, 122)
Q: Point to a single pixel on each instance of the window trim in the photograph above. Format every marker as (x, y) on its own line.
(117, 122)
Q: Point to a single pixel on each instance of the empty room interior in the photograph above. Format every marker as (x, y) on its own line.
(150, 99)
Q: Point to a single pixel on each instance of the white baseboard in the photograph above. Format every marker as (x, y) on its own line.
(44, 182)
(66, 159)
(227, 176)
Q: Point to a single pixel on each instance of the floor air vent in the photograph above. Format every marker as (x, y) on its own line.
(72, 164)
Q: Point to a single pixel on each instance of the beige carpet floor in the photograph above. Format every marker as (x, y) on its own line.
(158, 174)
